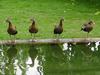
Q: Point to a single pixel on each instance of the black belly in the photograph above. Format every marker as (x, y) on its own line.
(12, 32)
(33, 30)
(58, 31)
(87, 29)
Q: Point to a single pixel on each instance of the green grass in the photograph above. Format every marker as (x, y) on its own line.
(47, 14)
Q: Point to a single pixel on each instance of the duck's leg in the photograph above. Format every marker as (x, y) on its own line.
(31, 35)
(33, 38)
(10, 37)
(55, 36)
(14, 38)
(87, 35)
(58, 35)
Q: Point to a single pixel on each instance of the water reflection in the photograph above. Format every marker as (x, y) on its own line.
(83, 57)
(50, 59)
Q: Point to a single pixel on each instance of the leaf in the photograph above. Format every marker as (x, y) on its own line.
(97, 13)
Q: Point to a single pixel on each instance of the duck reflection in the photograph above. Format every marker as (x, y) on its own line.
(11, 54)
(34, 62)
(33, 52)
(98, 50)
(82, 52)
(95, 47)
(57, 52)
(55, 60)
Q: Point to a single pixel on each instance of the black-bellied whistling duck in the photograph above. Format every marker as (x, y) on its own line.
(33, 29)
(88, 27)
(11, 28)
(59, 28)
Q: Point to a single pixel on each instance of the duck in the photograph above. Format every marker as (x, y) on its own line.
(32, 28)
(59, 28)
(88, 27)
(11, 28)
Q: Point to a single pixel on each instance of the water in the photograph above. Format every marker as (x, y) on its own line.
(50, 59)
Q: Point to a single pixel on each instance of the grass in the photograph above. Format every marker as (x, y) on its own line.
(47, 14)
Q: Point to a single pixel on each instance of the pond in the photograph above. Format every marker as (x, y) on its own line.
(50, 59)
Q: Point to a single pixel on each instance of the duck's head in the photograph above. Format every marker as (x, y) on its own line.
(8, 20)
(32, 19)
(62, 19)
(91, 22)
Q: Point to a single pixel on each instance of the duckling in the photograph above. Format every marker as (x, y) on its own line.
(88, 27)
(11, 28)
(59, 28)
(33, 29)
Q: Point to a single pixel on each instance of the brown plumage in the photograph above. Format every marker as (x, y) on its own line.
(59, 28)
(88, 27)
(11, 28)
(33, 29)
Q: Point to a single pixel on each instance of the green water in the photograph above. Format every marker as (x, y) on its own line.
(50, 59)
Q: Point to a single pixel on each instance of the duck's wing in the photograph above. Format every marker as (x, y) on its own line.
(83, 26)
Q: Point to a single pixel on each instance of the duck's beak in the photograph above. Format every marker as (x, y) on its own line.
(94, 23)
